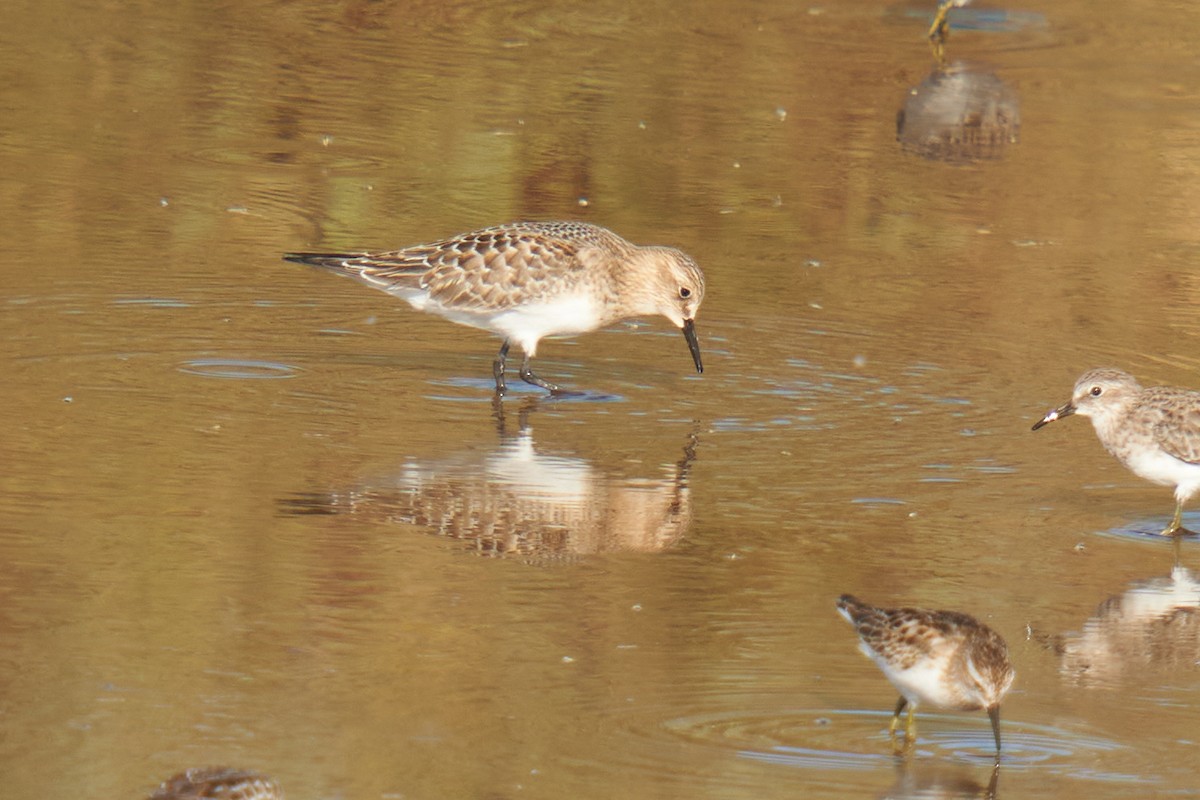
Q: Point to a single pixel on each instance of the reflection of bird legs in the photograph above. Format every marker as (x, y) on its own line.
(910, 726)
(528, 405)
(940, 29)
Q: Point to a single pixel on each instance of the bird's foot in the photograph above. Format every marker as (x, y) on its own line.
(1176, 527)
(528, 376)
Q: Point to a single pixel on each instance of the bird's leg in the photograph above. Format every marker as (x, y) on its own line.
(940, 27)
(528, 376)
(994, 715)
(939, 30)
(910, 728)
(1176, 527)
(896, 716)
(498, 369)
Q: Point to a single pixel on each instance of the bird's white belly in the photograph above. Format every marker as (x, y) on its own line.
(1166, 470)
(524, 324)
(923, 683)
(563, 316)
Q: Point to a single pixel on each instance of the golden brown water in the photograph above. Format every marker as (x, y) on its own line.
(243, 503)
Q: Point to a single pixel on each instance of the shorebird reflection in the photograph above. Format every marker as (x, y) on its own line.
(1154, 625)
(514, 499)
(959, 113)
(218, 782)
(919, 781)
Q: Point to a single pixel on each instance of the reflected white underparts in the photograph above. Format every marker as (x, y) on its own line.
(936, 781)
(1154, 625)
(513, 499)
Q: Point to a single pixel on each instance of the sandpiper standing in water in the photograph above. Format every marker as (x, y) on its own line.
(943, 658)
(529, 280)
(1154, 432)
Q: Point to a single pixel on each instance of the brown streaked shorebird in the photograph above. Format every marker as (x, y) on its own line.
(1154, 432)
(943, 658)
(203, 783)
(529, 280)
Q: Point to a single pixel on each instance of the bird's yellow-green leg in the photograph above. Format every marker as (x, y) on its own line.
(899, 747)
(939, 30)
(1176, 526)
(900, 704)
(940, 27)
(910, 729)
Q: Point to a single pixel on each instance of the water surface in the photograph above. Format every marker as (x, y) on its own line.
(255, 515)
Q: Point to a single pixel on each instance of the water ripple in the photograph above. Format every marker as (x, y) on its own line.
(858, 740)
(238, 369)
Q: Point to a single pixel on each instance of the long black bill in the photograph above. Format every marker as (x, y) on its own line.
(1065, 410)
(994, 714)
(689, 333)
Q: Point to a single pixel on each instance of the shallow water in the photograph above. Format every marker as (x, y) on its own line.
(256, 515)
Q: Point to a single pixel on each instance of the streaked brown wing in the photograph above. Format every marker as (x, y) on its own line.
(1177, 430)
(911, 634)
(494, 268)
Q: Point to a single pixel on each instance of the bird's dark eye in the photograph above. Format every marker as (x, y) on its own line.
(685, 292)
(1096, 390)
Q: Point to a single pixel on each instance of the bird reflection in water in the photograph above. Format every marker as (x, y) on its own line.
(1153, 625)
(958, 112)
(203, 783)
(515, 500)
(935, 781)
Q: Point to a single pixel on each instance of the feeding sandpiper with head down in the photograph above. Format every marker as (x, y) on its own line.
(529, 280)
(943, 658)
(1154, 432)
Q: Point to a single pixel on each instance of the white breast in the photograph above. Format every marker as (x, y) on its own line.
(924, 682)
(562, 316)
(1155, 465)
